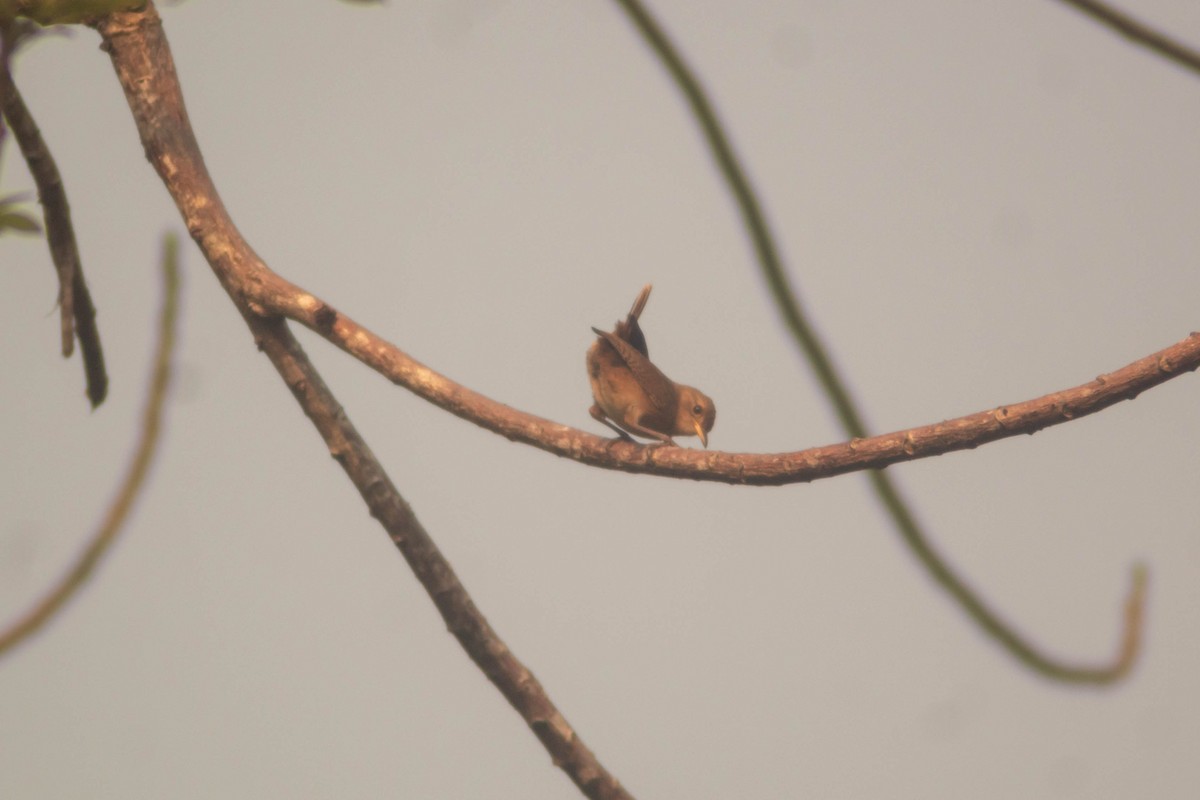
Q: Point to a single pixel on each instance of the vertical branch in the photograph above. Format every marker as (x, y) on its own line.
(6, 48)
(77, 313)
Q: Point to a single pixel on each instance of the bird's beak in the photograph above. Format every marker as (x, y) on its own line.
(700, 432)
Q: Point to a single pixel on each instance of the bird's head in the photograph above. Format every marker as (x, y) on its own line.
(696, 414)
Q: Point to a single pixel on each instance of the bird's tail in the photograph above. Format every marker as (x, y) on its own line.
(640, 303)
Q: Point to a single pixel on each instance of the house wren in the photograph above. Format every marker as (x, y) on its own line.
(633, 396)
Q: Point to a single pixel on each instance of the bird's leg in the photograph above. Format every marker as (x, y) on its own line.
(599, 415)
(650, 434)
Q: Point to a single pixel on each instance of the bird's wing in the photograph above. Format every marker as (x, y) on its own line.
(658, 387)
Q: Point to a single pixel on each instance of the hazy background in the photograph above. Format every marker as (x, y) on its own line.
(980, 203)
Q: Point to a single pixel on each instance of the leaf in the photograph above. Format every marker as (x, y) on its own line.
(16, 221)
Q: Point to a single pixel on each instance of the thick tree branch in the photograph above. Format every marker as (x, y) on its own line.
(77, 313)
(135, 476)
(143, 63)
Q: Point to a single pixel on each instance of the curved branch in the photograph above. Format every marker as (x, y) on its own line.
(143, 63)
(1001, 630)
(844, 406)
(1139, 33)
(135, 477)
(171, 147)
(753, 469)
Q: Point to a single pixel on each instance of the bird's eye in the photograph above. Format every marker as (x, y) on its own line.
(697, 410)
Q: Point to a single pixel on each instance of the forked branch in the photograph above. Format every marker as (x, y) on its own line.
(143, 62)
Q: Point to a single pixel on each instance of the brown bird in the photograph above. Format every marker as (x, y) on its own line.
(633, 396)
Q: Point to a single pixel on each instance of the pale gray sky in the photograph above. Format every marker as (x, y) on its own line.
(981, 203)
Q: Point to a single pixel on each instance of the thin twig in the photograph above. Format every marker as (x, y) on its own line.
(1003, 631)
(5, 69)
(143, 63)
(77, 313)
(835, 389)
(133, 481)
(1139, 33)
